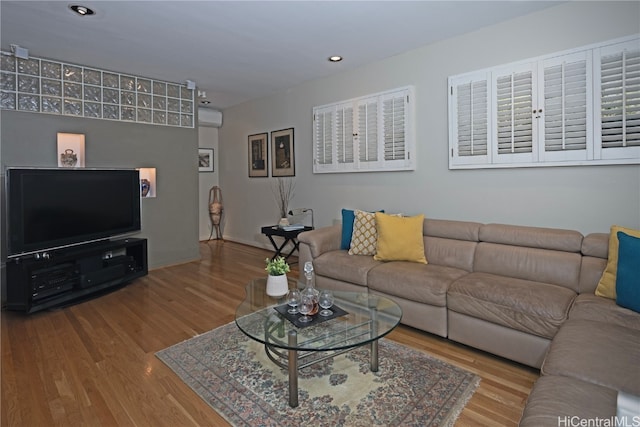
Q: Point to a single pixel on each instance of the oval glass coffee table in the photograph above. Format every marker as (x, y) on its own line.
(361, 318)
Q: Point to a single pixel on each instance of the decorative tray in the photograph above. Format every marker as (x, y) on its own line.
(317, 319)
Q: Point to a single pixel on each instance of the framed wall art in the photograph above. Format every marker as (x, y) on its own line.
(258, 155)
(282, 153)
(205, 159)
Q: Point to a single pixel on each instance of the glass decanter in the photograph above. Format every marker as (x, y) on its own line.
(310, 287)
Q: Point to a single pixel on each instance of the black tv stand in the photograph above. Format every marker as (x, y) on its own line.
(62, 276)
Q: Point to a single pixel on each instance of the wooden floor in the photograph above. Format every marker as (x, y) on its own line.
(93, 364)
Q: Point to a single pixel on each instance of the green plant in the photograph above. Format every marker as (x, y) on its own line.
(277, 266)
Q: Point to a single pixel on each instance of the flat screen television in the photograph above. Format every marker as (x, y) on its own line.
(54, 208)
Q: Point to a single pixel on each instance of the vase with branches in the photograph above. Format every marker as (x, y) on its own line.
(284, 193)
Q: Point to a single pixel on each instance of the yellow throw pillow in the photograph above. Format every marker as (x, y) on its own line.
(365, 235)
(607, 284)
(400, 238)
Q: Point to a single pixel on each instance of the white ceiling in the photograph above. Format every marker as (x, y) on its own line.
(236, 51)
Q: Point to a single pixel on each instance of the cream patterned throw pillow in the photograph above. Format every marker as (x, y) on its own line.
(365, 235)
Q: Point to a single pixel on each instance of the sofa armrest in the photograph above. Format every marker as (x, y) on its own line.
(322, 240)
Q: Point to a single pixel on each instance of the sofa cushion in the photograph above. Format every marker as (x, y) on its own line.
(449, 252)
(531, 307)
(590, 272)
(532, 237)
(340, 265)
(600, 353)
(423, 283)
(628, 276)
(595, 248)
(596, 245)
(400, 238)
(600, 309)
(539, 265)
(449, 229)
(365, 235)
(554, 400)
(607, 284)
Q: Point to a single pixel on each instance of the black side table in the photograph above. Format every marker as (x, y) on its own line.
(288, 236)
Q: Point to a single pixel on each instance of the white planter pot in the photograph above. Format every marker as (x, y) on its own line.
(277, 286)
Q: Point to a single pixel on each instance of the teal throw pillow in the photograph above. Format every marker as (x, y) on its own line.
(628, 277)
(348, 217)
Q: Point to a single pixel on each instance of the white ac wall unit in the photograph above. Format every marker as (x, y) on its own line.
(209, 118)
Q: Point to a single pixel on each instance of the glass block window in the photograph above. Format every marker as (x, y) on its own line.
(52, 87)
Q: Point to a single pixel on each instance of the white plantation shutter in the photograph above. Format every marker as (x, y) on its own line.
(394, 116)
(576, 107)
(619, 100)
(344, 134)
(513, 106)
(472, 118)
(565, 107)
(567, 111)
(323, 136)
(371, 133)
(368, 131)
(469, 119)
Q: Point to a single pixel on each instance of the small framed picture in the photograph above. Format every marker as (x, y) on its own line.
(205, 159)
(282, 153)
(258, 155)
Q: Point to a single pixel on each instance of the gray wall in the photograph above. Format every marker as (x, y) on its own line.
(585, 198)
(170, 220)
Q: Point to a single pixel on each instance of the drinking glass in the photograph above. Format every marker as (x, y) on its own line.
(293, 299)
(326, 301)
(305, 307)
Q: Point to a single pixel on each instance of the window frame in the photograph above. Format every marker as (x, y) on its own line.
(363, 132)
(592, 154)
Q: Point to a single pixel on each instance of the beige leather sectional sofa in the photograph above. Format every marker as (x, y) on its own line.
(523, 293)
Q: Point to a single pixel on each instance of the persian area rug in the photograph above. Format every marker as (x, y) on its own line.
(232, 373)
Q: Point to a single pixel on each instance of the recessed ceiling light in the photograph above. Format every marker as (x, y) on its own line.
(335, 58)
(81, 10)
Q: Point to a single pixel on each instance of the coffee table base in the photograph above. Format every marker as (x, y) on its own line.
(293, 366)
(293, 358)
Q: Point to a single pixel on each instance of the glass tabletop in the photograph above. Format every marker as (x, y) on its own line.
(368, 317)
